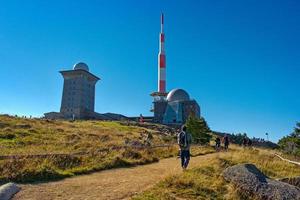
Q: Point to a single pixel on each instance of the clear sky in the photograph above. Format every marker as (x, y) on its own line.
(239, 59)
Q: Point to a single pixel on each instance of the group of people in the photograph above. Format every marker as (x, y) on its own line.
(225, 141)
(184, 140)
(247, 142)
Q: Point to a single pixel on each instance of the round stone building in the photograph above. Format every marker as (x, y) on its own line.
(175, 108)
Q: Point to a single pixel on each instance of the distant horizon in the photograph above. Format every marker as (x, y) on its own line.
(239, 60)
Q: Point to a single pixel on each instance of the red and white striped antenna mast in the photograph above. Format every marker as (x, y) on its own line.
(161, 92)
(162, 59)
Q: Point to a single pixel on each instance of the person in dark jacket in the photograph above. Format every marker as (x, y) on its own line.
(249, 142)
(245, 142)
(218, 144)
(184, 140)
(226, 141)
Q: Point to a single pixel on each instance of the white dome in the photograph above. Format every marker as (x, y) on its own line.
(178, 95)
(81, 66)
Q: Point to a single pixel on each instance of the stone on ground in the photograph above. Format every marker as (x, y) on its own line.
(251, 182)
(8, 190)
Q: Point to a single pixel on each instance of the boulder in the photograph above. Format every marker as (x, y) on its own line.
(251, 182)
(8, 190)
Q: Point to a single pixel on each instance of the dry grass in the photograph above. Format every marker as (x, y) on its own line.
(19, 136)
(86, 146)
(71, 148)
(206, 182)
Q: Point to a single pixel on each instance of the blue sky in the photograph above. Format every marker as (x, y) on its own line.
(239, 59)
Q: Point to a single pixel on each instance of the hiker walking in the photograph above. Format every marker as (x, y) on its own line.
(141, 119)
(245, 142)
(184, 141)
(249, 142)
(226, 142)
(218, 144)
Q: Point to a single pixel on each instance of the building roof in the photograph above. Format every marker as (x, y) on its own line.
(178, 95)
(160, 94)
(79, 70)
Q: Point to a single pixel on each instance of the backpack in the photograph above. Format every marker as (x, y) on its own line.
(182, 139)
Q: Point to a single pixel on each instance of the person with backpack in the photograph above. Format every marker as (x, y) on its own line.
(249, 142)
(218, 144)
(226, 142)
(141, 119)
(184, 140)
(245, 142)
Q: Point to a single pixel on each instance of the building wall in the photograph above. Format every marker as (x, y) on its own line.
(173, 114)
(159, 111)
(78, 94)
(53, 115)
(176, 112)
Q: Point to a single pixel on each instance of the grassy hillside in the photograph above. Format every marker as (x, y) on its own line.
(206, 182)
(19, 136)
(45, 150)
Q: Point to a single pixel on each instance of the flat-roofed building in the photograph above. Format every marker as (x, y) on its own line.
(78, 97)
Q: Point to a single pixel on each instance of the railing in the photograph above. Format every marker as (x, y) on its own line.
(290, 161)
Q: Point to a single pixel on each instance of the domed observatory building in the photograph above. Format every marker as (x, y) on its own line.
(176, 108)
(173, 107)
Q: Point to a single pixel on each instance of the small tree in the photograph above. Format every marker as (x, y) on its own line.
(296, 133)
(238, 138)
(199, 129)
(291, 143)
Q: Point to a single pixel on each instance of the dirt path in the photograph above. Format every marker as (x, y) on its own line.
(120, 183)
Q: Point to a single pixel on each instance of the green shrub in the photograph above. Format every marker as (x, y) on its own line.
(291, 143)
(199, 129)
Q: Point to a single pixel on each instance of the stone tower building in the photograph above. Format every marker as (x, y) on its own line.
(78, 98)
